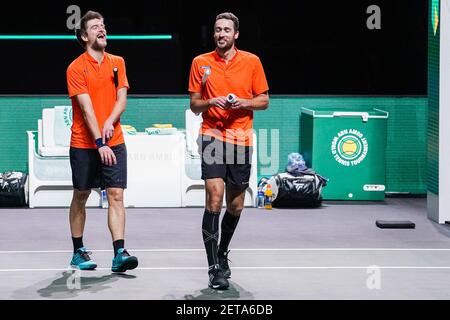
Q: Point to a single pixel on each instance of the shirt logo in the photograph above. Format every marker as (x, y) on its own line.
(206, 74)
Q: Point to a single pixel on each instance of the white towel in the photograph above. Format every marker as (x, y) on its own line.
(161, 131)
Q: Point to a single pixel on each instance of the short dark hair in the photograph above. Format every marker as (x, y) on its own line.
(229, 16)
(80, 29)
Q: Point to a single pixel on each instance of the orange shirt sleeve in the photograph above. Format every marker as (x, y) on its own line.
(123, 80)
(259, 84)
(76, 82)
(195, 78)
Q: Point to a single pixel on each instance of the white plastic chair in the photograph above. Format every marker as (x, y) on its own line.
(50, 175)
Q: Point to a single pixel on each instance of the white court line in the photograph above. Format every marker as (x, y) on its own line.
(249, 249)
(235, 268)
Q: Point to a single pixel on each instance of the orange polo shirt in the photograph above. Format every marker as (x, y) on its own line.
(243, 76)
(85, 75)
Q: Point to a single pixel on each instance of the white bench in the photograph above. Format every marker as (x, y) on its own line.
(163, 171)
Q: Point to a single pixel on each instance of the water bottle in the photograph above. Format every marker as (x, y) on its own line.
(260, 203)
(268, 197)
(104, 199)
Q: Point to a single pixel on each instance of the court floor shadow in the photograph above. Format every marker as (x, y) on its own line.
(234, 292)
(70, 284)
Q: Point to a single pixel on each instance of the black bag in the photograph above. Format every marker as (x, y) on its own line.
(12, 189)
(302, 189)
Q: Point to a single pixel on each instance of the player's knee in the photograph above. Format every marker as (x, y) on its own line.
(115, 196)
(81, 196)
(215, 203)
(215, 199)
(214, 190)
(235, 210)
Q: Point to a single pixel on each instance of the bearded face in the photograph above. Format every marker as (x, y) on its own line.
(224, 34)
(95, 34)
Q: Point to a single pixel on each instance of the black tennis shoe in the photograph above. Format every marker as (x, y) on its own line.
(223, 263)
(217, 280)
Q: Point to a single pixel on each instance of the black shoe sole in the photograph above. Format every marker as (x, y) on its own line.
(130, 264)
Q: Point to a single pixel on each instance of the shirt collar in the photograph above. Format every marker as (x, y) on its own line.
(219, 58)
(92, 59)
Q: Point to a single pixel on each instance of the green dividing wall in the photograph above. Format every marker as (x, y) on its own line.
(406, 133)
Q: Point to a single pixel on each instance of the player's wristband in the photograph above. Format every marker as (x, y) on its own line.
(99, 143)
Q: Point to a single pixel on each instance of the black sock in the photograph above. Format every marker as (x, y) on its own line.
(229, 224)
(118, 244)
(210, 231)
(77, 243)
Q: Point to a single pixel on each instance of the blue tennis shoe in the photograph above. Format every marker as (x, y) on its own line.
(82, 261)
(123, 261)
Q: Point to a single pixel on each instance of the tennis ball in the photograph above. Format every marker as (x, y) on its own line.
(349, 147)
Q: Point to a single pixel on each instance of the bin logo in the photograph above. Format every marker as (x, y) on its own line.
(349, 147)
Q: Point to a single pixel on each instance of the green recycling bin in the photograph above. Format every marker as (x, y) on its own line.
(347, 146)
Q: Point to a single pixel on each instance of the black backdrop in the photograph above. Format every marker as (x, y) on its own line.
(307, 47)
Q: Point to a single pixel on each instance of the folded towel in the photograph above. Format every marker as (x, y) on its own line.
(161, 131)
(128, 130)
(162, 125)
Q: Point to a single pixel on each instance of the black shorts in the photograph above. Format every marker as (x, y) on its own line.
(225, 160)
(88, 172)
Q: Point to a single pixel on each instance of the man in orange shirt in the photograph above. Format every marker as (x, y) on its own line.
(98, 85)
(226, 86)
